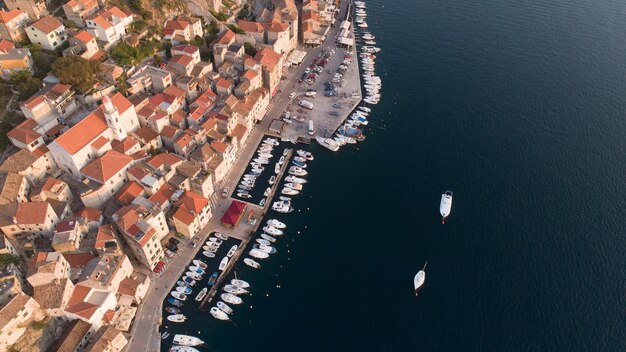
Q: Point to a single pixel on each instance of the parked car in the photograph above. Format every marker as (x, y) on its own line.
(174, 241)
(172, 247)
(225, 192)
(169, 253)
(307, 70)
(292, 95)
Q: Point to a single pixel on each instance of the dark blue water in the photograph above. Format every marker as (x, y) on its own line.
(519, 108)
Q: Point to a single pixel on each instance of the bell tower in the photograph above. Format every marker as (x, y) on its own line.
(112, 117)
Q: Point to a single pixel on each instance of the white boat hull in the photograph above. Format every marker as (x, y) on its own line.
(445, 206)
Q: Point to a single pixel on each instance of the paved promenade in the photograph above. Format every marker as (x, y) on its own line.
(145, 332)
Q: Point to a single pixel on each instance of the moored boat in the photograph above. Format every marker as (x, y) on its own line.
(201, 294)
(183, 349)
(272, 230)
(208, 254)
(224, 307)
(178, 295)
(296, 186)
(289, 191)
(240, 283)
(218, 313)
(175, 302)
(235, 290)
(177, 318)
(172, 310)
(199, 263)
(187, 340)
(221, 236)
(264, 248)
(232, 251)
(327, 143)
(213, 278)
(252, 263)
(258, 254)
(297, 171)
(276, 224)
(223, 263)
(230, 298)
(262, 241)
(268, 237)
(418, 280)
(184, 289)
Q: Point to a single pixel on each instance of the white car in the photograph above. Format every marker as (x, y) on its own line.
(307, 71)
(292, 95)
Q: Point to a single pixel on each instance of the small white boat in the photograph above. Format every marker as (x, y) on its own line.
(281, 160)
(295, 179)
(224, 307)
(194, 275)
(186, 340)
(296, 186)
(211, 249)
(298, 171)
(289, 191)
(235, 290)
(327, 143)
(281, 207)
(215, 240)
(221, 236)
(261, 161)
(445, 205)
(272, 230)
(184, 289)
(201, 294)
(262, 241)
(419, 279)
(244, 195)
(196, 269)
(268, 237)
(183, 349)
(271, 141)
(265, 155)
(305, 154)
(179, 295)
(218, 313)
(255, 253)
(264, 248)
(252, 263)
(230, 298)
(365, 108)
(223, 263)
(240, 283)
(232, 251)
(272, 180)
(208, 254)
(176, 318)
(199, 263)
(276, 224)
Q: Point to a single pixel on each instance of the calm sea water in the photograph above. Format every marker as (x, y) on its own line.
(518, 107)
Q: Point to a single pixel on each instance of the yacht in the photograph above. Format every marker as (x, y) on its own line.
(230, 298)
(271, 141)
(268, 237)
(296, 186)
(196, 269)
(186, 340)
(289, 191)
(277, 168)
(193, 275)
(300, 159)
(275, 223)
(188, 281)
(418, 280)
(445, 205)
(263, 248)
(179, 296)
(176, 318)
(299, 164)
(199, 263)
(182, 349)
(305, 154)
(327, 143)
(218, 313)
(281, 207)
(258, 254)
(223, 263)
(295, 179)
(223, 306)
(272, 230)
(252, 263)
(208, 254)
(272, 180)
(184, 289)
(240, 283)
(232, 251)
(235, 290)
(365, 108)
(262, 241)
(265, 155)
(201, 294)
(298, 171)
(215, 240)
(221, 236)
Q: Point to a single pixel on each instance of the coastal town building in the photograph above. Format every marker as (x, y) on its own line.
(109, 25)
(32, 165)
(149, 78)
(28, 217)
(107, 339)
(77, 10)
(108, 173)
(51, 105)
(12, 24)
(74, 338)
(13, 188)
(17, 310)
(48, 32)
(34, 8)
(13, 59)
(192, 213)
(182, 30)
(84, 44)
(54, 189)
(90, 304)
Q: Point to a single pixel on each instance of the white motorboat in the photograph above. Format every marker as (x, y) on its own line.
(289, 191)
(235, 290)
(419, 279)
(215, 240)
(188, 281)
(257, 254)
(268, 238)
(176, 318)
(262, 241)
(300, 159)
(327, 143)
(230, 298)
(240, 283)
(232, 251)
(218, 313)
(183, 349)
(179, 295)
(365, 108)
(305, 154)
(221, 236)
(281, 207)
(263, 248)
(196, 269)
(277, 224)
(224, 307)
(223, 263)
(277, 168)
(211, 249)
(252, 263)
(201, 294)
(199, 263)
(265, 155)
(267, 192)
(272, 230)
(296, 186)
(186, 340)
(297, 171)
(208, 254)
(184, 289)
(244, 195)
(445, 205)
(261, 161)
(271, 141)
(294, 179)
(272, 180)
(281, 160)
(193, 275)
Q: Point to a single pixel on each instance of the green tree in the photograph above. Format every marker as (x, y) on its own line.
(74, 70)
(233, 27)
(6, 259)
(25, 83)
(249, 49)
(42, 61)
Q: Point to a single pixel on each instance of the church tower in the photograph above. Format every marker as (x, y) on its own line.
(112, 117)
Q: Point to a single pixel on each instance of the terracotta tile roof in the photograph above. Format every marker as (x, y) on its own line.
(191, 201)
(184, 140)
(129, 286)
(239, 131)
(9, 185)
(224, 83)
(225, 38)
(18, 162)
(78, 260)
(249, 26)
(276, 27)
(175, 92)
(268, 58)
(25, 213)
(124, 146)
(8, 16)
(219, 146)
(176, 25)
(145, 135)
(163, 195)
(91, 214)
(107, 166)
(11, 309)
(182, 60)
(47, 24)
(24, 134)
(183, 216)
(105, 234)
(187, 48)
(170, 132)
(178, 116)
(6, 45)
(165, 159)
(207, 99)
(84, 36)
(83, 133)
(249, 75)
(99, 142)
(129, 192)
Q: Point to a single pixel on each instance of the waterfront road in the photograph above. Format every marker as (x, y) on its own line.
(145, 330)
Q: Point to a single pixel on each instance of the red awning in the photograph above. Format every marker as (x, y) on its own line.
(233, 215)
(159, 267)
